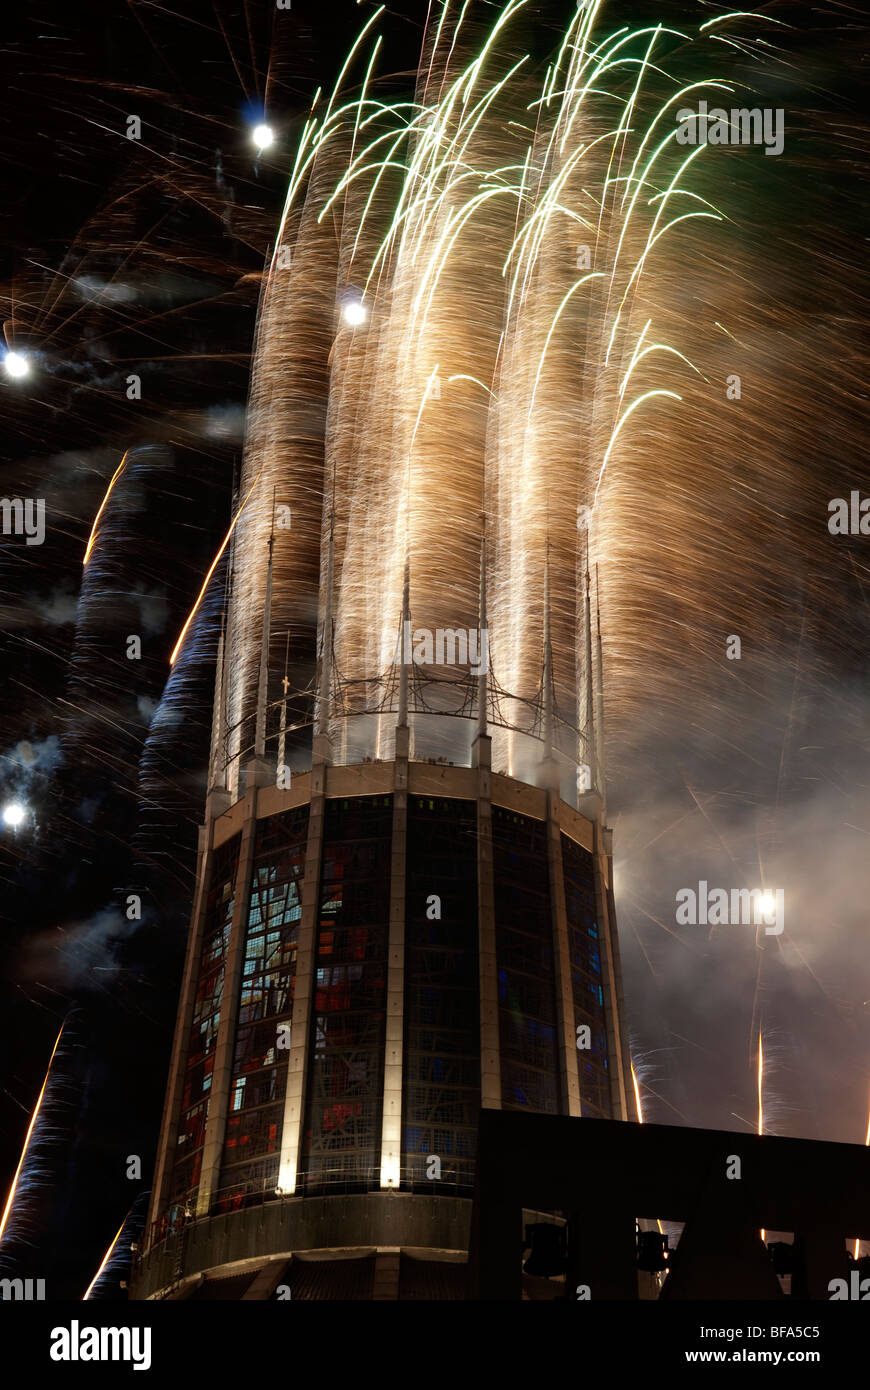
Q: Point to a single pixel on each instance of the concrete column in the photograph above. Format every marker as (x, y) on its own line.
(625, 1050)
(219, 1095)
(387, 1269)
(496, 1250)
(391, 1123)
(569, 1071)
(166, 1151)
(490, 1059)
(303, 996)
(617, 1067)
(602, 1253)
(820, 1256)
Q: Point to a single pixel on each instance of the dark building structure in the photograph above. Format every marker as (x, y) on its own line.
(377, 953)
(728, 1190)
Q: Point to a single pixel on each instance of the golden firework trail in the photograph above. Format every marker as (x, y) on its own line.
(108, 1255)
(638, 1105)
(760, 1128)
(857, 1248)
(212, 567)
(636, 1085)
(30, 1128)
(93, 536)
(472, 289)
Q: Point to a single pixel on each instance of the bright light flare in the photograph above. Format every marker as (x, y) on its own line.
(13, 814)
(767, 903)
(16, 365)
(263, 136)
(355, 312)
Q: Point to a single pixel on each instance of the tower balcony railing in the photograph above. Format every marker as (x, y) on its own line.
(362, 714)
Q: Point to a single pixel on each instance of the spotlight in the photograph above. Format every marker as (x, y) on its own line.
(13, 814)
(355, 312)
(262, 136)
(767, 903)
(15, 364)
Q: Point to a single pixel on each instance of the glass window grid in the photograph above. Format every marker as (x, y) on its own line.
(526, 972)
(202, 1039)
(341, 1141)
(587, 980)
(259, 1075)
(441, 1073)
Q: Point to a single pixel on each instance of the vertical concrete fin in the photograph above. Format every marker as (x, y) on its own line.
(324, 674)
(263, 681)
(483, 644)
(548, 663)
(599, 705)
(402, 719)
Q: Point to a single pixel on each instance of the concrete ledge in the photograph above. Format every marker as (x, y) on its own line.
(292, 1224)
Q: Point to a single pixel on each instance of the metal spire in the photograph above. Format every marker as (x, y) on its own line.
(285, 685)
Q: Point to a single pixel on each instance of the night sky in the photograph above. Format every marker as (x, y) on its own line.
(144, 257)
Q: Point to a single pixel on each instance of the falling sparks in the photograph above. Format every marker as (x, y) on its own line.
(30, 1128)
(507, 228)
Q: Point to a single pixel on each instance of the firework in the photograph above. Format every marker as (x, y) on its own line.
(514, 235)
(760, 1095)
(92, 537)
(857, 1247)
(7, 1210)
